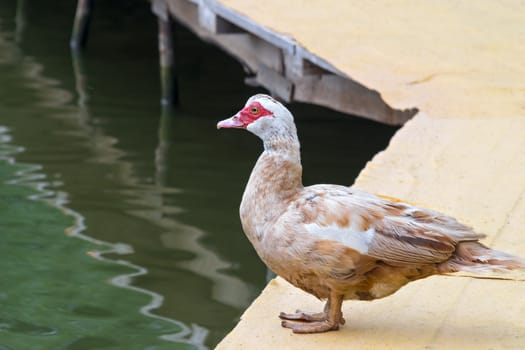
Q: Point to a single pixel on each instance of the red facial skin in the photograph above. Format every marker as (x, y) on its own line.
(245, 117)
(252, 112)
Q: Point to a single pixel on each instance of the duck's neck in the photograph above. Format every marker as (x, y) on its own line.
(275, 179)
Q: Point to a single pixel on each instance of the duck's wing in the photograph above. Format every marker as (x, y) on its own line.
(394, 232)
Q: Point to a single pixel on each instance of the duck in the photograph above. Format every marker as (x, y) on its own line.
(337, 242)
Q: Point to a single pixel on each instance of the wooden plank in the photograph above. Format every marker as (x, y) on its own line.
(209, 20)
(281, 87)
(348, 96)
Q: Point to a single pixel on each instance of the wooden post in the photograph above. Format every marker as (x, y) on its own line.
(81, 24)
(168, 79)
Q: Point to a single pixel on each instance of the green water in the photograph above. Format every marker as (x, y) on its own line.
(48, 302)
(119, 222)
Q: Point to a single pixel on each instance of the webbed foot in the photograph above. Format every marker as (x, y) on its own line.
(306, 316)
(316, 322)
(311, 327)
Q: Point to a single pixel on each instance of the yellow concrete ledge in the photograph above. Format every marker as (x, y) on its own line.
(462, 64)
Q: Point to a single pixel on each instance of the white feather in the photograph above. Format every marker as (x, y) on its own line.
(353, 238)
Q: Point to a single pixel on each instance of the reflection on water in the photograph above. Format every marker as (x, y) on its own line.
(152, 194)
(31, 275)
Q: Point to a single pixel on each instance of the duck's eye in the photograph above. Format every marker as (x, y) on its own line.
(254, 110)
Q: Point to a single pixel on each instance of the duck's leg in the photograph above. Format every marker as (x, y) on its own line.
(328, 320)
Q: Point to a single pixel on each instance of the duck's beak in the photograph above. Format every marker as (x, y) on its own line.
(233, 122)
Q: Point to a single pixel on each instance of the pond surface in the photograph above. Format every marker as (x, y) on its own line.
(119, 222)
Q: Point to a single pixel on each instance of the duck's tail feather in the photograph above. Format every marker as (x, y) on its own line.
(473, 259)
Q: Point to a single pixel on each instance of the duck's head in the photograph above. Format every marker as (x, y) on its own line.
(263, 116)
